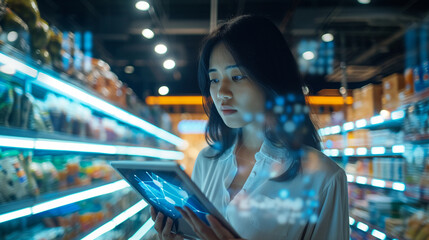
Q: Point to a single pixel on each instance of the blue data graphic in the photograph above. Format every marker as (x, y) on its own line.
(165, 195)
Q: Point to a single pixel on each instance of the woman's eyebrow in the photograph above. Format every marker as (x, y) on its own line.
(226, 68)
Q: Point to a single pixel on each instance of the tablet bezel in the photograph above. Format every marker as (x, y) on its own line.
(171, 166)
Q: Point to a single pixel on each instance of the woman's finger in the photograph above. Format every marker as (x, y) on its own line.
(158, 222)
(166, 232)
(220, 231)
(190, 222)
(152, 213)
(202, 228)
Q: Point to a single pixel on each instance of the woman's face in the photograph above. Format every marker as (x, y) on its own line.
(237, 98)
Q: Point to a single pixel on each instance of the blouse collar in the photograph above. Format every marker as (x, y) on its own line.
(267, 152)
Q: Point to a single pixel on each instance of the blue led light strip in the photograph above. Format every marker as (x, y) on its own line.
(66, 89)
(143, 230)
(82, 147)
(62, 201)
(398, 186)
(365, 228)
(361, 123)
(125, 215)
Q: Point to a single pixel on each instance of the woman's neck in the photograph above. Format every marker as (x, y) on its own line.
(251, 138)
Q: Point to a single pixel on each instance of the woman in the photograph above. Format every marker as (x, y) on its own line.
(263, 169)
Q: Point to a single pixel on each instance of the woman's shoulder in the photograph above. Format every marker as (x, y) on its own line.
(317, 162)
(209, 153)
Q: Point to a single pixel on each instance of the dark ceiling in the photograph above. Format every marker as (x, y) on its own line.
(365, 35)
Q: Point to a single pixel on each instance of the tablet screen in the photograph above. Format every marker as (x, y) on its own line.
(164, 190)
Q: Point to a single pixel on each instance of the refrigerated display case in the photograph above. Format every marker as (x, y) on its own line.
(57, 137)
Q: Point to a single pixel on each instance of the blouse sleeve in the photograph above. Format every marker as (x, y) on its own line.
(333, 221)
(197, 171)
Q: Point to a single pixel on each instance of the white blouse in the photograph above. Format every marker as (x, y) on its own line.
(314, 205)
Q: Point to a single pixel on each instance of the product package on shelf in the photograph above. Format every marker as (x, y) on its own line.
(359, 138)
(14, 31)
(416, 122)
(417, 226)
(366, 101)
(16, 182)
(392, 86)
(385, 137)
(417, 172)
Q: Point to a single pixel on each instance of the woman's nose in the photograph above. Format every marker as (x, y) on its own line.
(224, 92)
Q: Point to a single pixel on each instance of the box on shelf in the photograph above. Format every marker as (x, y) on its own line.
(321, 120)
(392, 86)
(367, 101)
(350, 115)
(359, 138)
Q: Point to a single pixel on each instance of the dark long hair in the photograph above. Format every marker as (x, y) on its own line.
(262, 53)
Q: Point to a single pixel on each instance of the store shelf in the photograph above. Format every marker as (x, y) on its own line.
(122, 217)
(60, 143)
(375, 182)
(143, 230)
(363, 225)
(26, 208)
(376, 151)
(416, 97)
(46, 78)
(417, 138)
(376, 122)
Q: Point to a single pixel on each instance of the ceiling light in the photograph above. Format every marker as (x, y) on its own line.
(364, 1)
(147, 33)
(308, 55)
(163, 90)
(142, 5)
(327, 37)
(169, 64)
(12, 36)
(160, 49)
(129, 69)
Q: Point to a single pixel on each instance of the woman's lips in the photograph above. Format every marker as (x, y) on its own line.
(228, 111)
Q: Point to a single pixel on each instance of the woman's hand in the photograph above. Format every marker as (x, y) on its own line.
(213, 232)
(164, 231)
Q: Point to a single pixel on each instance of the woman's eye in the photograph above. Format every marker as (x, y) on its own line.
(214, 80)
(238, 77)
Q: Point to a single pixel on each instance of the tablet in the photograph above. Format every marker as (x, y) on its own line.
(165, 185)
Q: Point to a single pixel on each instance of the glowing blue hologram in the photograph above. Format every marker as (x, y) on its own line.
(280, 101)
(247, 117)
(166, 196)
(284, 193)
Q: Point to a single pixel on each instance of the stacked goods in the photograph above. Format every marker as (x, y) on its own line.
(14, 31)
(23, 176)
(16, 181)
(367, 101)
(22, 27)
(392, 86)
(417, 226)
(106, 83)
(57, 114)
(416, 120)
(359, 138)
(385, 137)
(390, 169)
